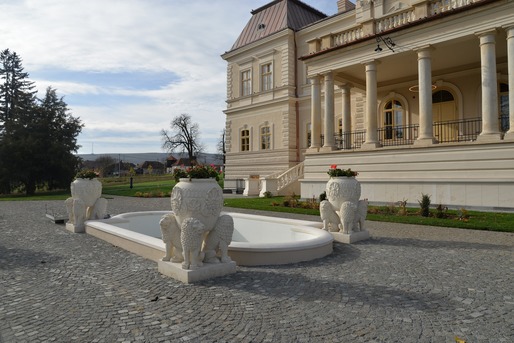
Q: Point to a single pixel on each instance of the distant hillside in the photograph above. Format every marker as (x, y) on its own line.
(139, 158)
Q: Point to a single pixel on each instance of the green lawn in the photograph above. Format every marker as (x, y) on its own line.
(161, 186)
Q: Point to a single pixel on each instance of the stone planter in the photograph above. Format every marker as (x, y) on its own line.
(85, 203)
(86, 190)
(197, 198)
(341, 189)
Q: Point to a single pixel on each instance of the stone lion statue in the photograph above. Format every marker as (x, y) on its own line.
(99, 209)
(191, 237)
(360, 215)
(218, 240)
(171, 237)
(331, 221)
(347, 213)
(76, 211)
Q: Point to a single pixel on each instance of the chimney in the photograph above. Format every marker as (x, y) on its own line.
(344, 6)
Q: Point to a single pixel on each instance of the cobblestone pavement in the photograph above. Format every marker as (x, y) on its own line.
(405, 284)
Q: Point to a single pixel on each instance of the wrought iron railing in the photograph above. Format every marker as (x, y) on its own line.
(457, 130)
(445, 132)
(350, 140)
(398, 135)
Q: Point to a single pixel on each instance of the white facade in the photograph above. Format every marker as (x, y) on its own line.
(414, 95)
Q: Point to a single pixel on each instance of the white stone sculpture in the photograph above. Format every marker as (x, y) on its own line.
(171, 237)
(191, 237)
(99, 209)
(343, 193)
(360, 215)
(331, 221)
(347, 214)
(85, 203)
(218, 239)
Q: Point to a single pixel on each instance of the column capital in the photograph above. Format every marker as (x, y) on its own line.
(345, 85)
(370, 63)
(314, 79)
(328, 75)
(424, 50)
(510, 30)
(486, 36)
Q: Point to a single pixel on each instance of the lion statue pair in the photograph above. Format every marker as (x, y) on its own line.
(185, 243)
(349, 218)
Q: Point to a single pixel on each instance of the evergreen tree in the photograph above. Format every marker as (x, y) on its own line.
(38, 138)
(17, 93)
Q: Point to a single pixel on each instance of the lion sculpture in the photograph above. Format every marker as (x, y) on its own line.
(347, 213)
(171, 237)
(191, 237)
(331, 221)
(360, 215)
(218, 239)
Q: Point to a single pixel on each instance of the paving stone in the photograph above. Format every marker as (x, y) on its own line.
(405, 284)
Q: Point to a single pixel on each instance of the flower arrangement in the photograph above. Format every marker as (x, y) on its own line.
(196, 172)
(86, 174)
(334, 171)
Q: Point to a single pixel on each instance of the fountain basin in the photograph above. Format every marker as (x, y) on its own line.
(257, 240)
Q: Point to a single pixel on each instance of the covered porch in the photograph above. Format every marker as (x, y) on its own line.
(424, 107)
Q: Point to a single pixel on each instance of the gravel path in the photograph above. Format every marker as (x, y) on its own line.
(405, 284)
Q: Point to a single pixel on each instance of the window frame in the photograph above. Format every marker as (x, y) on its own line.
(265, 137)
(244, 140)
(246, 82)
(266, 77)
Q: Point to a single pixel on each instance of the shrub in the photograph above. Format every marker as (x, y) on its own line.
(323, 196)
(403, 207)
(424, 204)
(268, 194)
(440, 211)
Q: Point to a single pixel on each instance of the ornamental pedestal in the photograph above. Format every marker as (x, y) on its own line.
(343, 214)
(85, 203)
(195, 233)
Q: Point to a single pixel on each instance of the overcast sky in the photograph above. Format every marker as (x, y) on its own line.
(127, 67)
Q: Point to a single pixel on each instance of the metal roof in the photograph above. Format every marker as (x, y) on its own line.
(276, 16)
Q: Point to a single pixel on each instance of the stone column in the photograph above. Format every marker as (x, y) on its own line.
(346, 115)
(371, 107)
(510, 56)
(315, 113)
(328, 128)
(490, 128)
(426, 128)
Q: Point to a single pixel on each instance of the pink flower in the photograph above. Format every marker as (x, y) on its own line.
(333, 166)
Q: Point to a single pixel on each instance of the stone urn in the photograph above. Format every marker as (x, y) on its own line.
(340, 189)
(197, 198)
(87, 190)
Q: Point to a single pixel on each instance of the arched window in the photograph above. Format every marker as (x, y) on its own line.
(442, 96)
(504, 107)
(393, 119)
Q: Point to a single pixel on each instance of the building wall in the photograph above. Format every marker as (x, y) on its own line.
(479, 176)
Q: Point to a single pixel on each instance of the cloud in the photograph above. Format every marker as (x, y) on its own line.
(127, 67)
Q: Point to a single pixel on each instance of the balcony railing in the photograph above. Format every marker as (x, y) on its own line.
(445, 132)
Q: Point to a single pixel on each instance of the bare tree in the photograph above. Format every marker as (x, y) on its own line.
(221, 146)
(184, 136)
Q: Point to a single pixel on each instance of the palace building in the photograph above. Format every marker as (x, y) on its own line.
(413, 95)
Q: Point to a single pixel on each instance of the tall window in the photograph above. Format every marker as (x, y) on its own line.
(245, 140)
(265, 138)
(246, 82)
(393, 120)
(266, 77)
(504, 107)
